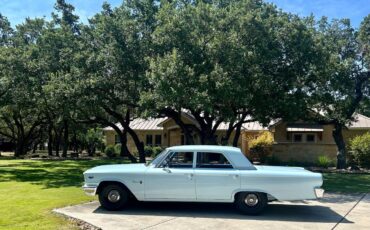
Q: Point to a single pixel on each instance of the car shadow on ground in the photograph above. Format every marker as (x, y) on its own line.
(274, 212)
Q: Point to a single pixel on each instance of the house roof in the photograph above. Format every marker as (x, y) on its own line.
(142, 124)
(302, 127)
(250, 126)
(254, 126)
(157, 124)
(360, 122)
(185, 114)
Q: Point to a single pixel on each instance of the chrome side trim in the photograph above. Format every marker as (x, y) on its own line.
(89, 190)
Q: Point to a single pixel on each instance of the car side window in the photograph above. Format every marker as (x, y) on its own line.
(212, 160)
(179, 160)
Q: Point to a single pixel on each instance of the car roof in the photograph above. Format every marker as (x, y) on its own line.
(215, 148)
(234, 155)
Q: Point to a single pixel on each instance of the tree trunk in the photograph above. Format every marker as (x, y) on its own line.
(65, 138)
(18, 151)
(34, 148)
(139, 144)
(225, 139)
(123, 140)
(189, 140)
(208, 138)
(75, 145)
(57, 143)
(124, 150)
(20, 148)
(237, 135)
(91, 149)
(125, 123)
(50, 140)
(185, 128)
(208, 127)
(341, 146)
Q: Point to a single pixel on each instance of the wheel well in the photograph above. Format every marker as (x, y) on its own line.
(106, 183)
(269, 197)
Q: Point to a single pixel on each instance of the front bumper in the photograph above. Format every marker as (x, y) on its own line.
(89, 189)
(319, 192)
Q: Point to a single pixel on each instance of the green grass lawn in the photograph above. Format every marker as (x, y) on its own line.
(30, 189)
(348, 183)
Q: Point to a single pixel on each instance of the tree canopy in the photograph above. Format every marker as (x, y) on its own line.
(221, 61)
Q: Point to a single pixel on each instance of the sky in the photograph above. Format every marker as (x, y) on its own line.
(17, 10)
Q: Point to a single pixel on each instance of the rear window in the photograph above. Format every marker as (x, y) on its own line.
(212, 160)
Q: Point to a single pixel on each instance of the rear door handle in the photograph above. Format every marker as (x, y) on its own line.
(189, 175)
(235, 176)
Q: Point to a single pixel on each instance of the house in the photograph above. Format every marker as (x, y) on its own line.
(304, 141)
(298, 141)
(165, 132)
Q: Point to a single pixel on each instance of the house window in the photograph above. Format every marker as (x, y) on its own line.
(297, 137)
(149, 140)
(117, 140)
(304, 137)
(158, 140)
(310, 138)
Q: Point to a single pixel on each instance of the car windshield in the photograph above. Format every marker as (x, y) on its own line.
(159, 158)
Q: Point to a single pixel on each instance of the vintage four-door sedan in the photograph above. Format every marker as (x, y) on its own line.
(200, 173)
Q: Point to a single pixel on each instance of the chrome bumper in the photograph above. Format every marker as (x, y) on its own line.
(89, 190)
(319, 192)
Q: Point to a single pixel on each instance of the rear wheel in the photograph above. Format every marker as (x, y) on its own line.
(113, 197)
(251, 203)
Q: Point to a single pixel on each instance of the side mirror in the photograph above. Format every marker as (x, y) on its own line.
(167, 170)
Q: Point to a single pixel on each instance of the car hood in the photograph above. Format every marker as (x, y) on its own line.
(117, 168)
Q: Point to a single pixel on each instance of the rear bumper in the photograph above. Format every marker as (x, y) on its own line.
(319, 192)
(89, 190)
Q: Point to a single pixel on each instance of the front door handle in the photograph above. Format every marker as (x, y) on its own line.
(235, 176)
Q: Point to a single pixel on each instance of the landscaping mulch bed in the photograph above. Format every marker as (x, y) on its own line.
(349, 170)
(79, 223)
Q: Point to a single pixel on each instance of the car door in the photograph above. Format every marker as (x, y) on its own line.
(215, 177)
(172, 179)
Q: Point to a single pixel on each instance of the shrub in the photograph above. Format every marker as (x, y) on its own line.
(296, 163)
(156, 150)
(151, 151)
(360, 147)
(110, 151)
(117, 149)
(273, 160)
(324, 161)
(148, 150)
(93, 139)
(260, 147)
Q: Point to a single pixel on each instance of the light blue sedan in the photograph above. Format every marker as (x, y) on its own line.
(201, 173)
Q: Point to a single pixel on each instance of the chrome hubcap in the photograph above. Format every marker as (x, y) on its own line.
(251, 199)
(114, 196)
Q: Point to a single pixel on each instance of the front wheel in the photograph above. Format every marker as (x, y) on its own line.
(113, 197)
(251, 203)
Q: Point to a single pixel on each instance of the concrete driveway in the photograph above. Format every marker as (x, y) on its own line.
(334, 211)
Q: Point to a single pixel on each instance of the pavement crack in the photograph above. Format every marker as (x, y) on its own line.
(349, 211)
(165, 221)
